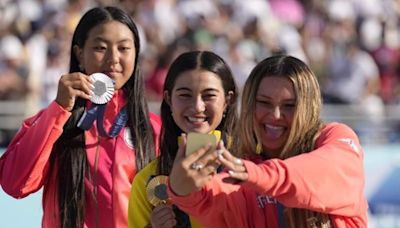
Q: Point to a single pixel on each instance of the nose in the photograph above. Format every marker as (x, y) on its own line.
(199, 105)
(113, 56)
(277, 112)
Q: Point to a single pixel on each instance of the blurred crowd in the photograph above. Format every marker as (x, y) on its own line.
(352, 45)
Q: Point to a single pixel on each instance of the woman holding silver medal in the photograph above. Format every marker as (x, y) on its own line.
(87, 145)
(295, 171)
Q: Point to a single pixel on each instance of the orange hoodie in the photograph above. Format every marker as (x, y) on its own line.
(24, 167)
(329, 179)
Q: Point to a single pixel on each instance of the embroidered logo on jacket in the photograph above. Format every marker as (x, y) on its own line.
(263, 200)
(351, 143)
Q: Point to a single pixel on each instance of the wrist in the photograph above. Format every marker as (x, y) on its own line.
(172, 189)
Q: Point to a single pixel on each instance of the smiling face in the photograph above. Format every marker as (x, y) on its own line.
(197, 101)
(109, 49)
(274, 112)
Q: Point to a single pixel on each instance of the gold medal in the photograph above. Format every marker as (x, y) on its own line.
(157, 190)
(103, 88)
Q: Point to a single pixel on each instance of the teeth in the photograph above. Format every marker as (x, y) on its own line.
(196, 119)
(272, 127)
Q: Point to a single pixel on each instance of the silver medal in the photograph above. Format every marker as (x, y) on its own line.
(103, 88)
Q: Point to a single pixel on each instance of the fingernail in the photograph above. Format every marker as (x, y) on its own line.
(231, 172)
(220, 152)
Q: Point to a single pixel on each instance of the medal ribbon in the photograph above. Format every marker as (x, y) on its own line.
(97, 112)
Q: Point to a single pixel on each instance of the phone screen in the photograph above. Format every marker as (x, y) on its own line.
(196, 141)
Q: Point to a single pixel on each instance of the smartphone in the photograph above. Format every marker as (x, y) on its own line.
(196, 141)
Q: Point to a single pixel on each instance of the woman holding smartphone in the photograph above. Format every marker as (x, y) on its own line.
(199, 96)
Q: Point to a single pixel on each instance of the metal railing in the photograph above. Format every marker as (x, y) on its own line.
(371, 128)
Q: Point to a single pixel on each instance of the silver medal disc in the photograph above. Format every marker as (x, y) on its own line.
(103, 88)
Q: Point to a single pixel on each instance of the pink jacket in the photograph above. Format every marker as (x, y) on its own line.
(24, 167)
(329, 179)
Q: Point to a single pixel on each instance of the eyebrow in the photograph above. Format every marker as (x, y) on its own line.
(270, 98)
(106, 41)
(206, 90)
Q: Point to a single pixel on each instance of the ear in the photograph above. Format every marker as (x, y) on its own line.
(78, 53)
(167, 98)
(229, 98)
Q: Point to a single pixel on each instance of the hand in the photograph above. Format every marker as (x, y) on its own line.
(71, 86)
(162, 216)
(235, 165)
(191, 173)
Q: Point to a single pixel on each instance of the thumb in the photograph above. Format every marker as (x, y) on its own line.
(182, 147)
(221, 145)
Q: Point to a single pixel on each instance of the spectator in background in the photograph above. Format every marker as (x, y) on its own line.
(381, 39)
(54, 69)
(14, 85)
(13, 69)
(352, 75)
(158, 68)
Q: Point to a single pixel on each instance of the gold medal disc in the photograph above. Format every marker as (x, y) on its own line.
(157, 190)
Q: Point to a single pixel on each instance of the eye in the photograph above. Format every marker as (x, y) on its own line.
(99, 48)
(289, 107)
(209, 96)
(125, 48)
(184, 95)
(262, 102)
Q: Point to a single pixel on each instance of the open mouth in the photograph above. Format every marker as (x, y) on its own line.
(196, 120)
(273, 131)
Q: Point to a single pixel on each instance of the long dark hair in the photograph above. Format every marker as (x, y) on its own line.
(170, 131)
(69, 150)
